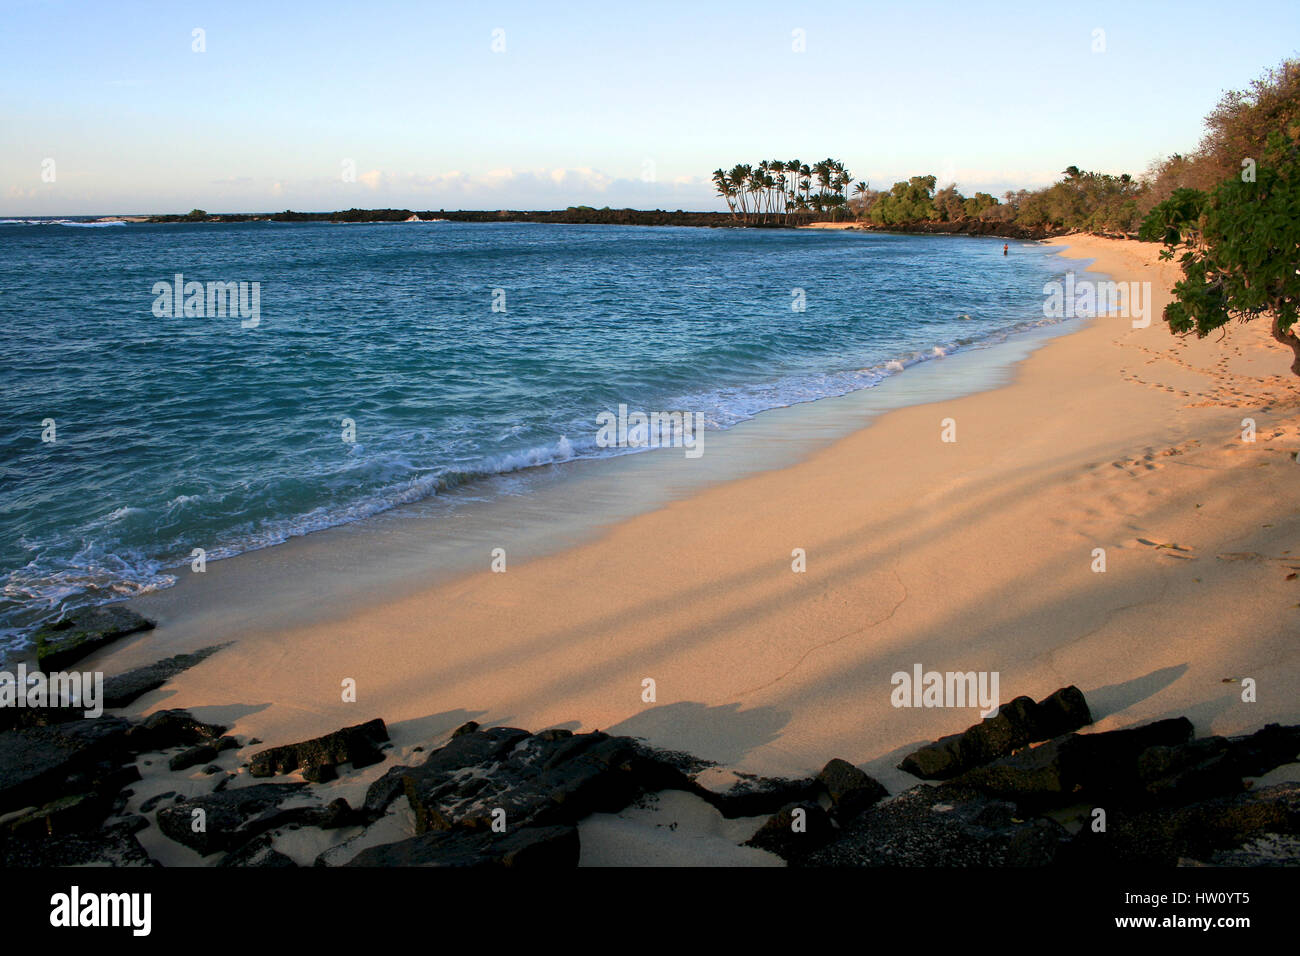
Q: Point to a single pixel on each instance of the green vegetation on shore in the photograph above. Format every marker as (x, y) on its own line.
(1107, 204)
(1230, 209)
(774, 190)
(1239, 245)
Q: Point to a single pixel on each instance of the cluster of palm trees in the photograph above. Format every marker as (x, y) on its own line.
(778, 191)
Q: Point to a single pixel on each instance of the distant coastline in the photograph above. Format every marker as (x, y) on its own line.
(586, 215)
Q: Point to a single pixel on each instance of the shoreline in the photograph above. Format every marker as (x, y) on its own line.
(969, 556)
(551, 507)
(770, 438)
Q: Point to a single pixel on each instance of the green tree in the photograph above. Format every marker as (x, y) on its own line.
(906, 202)
(949, 204)
(978, 204)
(1240, 249)
(1175, 221)
(1240, 125)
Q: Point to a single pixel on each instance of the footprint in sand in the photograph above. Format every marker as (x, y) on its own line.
(1150, 460)
(1292, 570)
(1134, 467)
(1170, 550)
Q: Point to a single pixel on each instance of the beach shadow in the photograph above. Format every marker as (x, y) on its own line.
(1114, 698)
(886, 765)
(432, 729)
(573, 725)
(226, 715)
(724, 733)
(846, 564)
(1203, 714)
(148, 701)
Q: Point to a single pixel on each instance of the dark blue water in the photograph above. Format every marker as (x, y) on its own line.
(177, 432)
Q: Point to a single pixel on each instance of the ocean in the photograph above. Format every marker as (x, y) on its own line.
(374, 365)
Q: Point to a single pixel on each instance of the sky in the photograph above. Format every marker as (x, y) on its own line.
(132, 107)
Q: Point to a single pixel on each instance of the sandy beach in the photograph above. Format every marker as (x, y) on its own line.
(977, 554)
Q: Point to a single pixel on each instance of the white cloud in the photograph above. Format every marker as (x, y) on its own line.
(456, 183)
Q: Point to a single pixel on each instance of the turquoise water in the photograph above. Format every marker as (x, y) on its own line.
(175, 432)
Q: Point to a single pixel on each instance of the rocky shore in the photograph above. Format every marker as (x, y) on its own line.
(1021, 788)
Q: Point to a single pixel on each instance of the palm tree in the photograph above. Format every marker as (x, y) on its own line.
(739, 177)
(860, 191)
(776, 169)
(784, 190)
(792, 167)
(837, 185)
(823, 171)
(754, 184)
(725, 190)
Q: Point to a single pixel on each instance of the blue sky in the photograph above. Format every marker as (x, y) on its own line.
(597, 103)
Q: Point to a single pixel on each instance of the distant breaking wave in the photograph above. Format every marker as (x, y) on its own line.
(58, 222)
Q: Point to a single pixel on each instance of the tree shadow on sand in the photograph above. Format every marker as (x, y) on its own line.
(424, 731)
(724, 733)
(1113, 698)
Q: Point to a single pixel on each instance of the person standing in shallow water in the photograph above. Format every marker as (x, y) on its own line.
(1004, 247)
